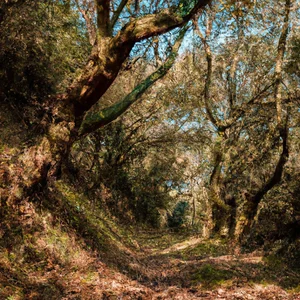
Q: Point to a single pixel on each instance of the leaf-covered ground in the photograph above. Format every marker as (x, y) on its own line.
(67, 248)
(211, 269)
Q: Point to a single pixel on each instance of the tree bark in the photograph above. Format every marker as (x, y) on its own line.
(110, 52)
(96, 120)
(220, 210)
(46, 159)
(248, 219)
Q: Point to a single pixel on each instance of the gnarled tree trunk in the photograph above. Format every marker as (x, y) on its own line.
(68, 116)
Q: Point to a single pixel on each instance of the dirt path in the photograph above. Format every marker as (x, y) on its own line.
(162, 266)
(198, 269)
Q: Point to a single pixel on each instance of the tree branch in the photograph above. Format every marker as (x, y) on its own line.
(116, 15)
(102, 69)
(279, 60)
(254, 201)
(94, 121)
(103, 10)
(155, 24)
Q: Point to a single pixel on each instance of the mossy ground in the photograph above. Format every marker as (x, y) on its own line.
(63, 246)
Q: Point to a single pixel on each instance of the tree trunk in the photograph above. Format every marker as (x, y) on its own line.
(220, 210)
(247, 220)
(35, 166)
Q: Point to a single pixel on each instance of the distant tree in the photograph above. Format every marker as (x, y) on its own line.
(238, 96)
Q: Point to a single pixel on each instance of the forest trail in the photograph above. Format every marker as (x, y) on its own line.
(160, 265)
(85, 255)
(193, 268)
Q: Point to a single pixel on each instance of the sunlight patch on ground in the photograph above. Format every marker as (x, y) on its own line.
(182, 245)
(227, 258)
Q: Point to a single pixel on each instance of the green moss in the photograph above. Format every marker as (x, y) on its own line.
(91, 223)
(210, 276)
(274, 262)
(208, 248)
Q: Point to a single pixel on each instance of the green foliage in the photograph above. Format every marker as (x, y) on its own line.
(177, 218)
(135, 174)
(42, 43)
(210, 276)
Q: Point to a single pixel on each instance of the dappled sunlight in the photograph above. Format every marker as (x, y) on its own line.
(183, 245)
(203, 268)
(149, 150)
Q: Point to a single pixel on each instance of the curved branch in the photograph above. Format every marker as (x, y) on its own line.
(93, 121)
(116, 15)
(254, 201)
(155, 24)
(103, 68)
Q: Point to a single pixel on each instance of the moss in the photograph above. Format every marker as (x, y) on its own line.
(209, 276)
(90, 223)
(274, 262)
(208, 248)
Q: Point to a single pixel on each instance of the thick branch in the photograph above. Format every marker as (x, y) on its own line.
(277, 175)
(155, 24)
(101, 71)
(117, 13)
(94, 121)
(103, 10)
(283, 129)
(279, 60)
(254, 201)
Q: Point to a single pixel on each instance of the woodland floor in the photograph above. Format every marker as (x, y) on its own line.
(68, 248)
(163, 266)
(202, 269)
(65, 247)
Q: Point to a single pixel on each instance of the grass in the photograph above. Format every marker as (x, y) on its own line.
(64, 245)
(208, 248)
(210, 276)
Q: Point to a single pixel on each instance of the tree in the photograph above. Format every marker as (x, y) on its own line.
(237, 93)
(68, 115)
